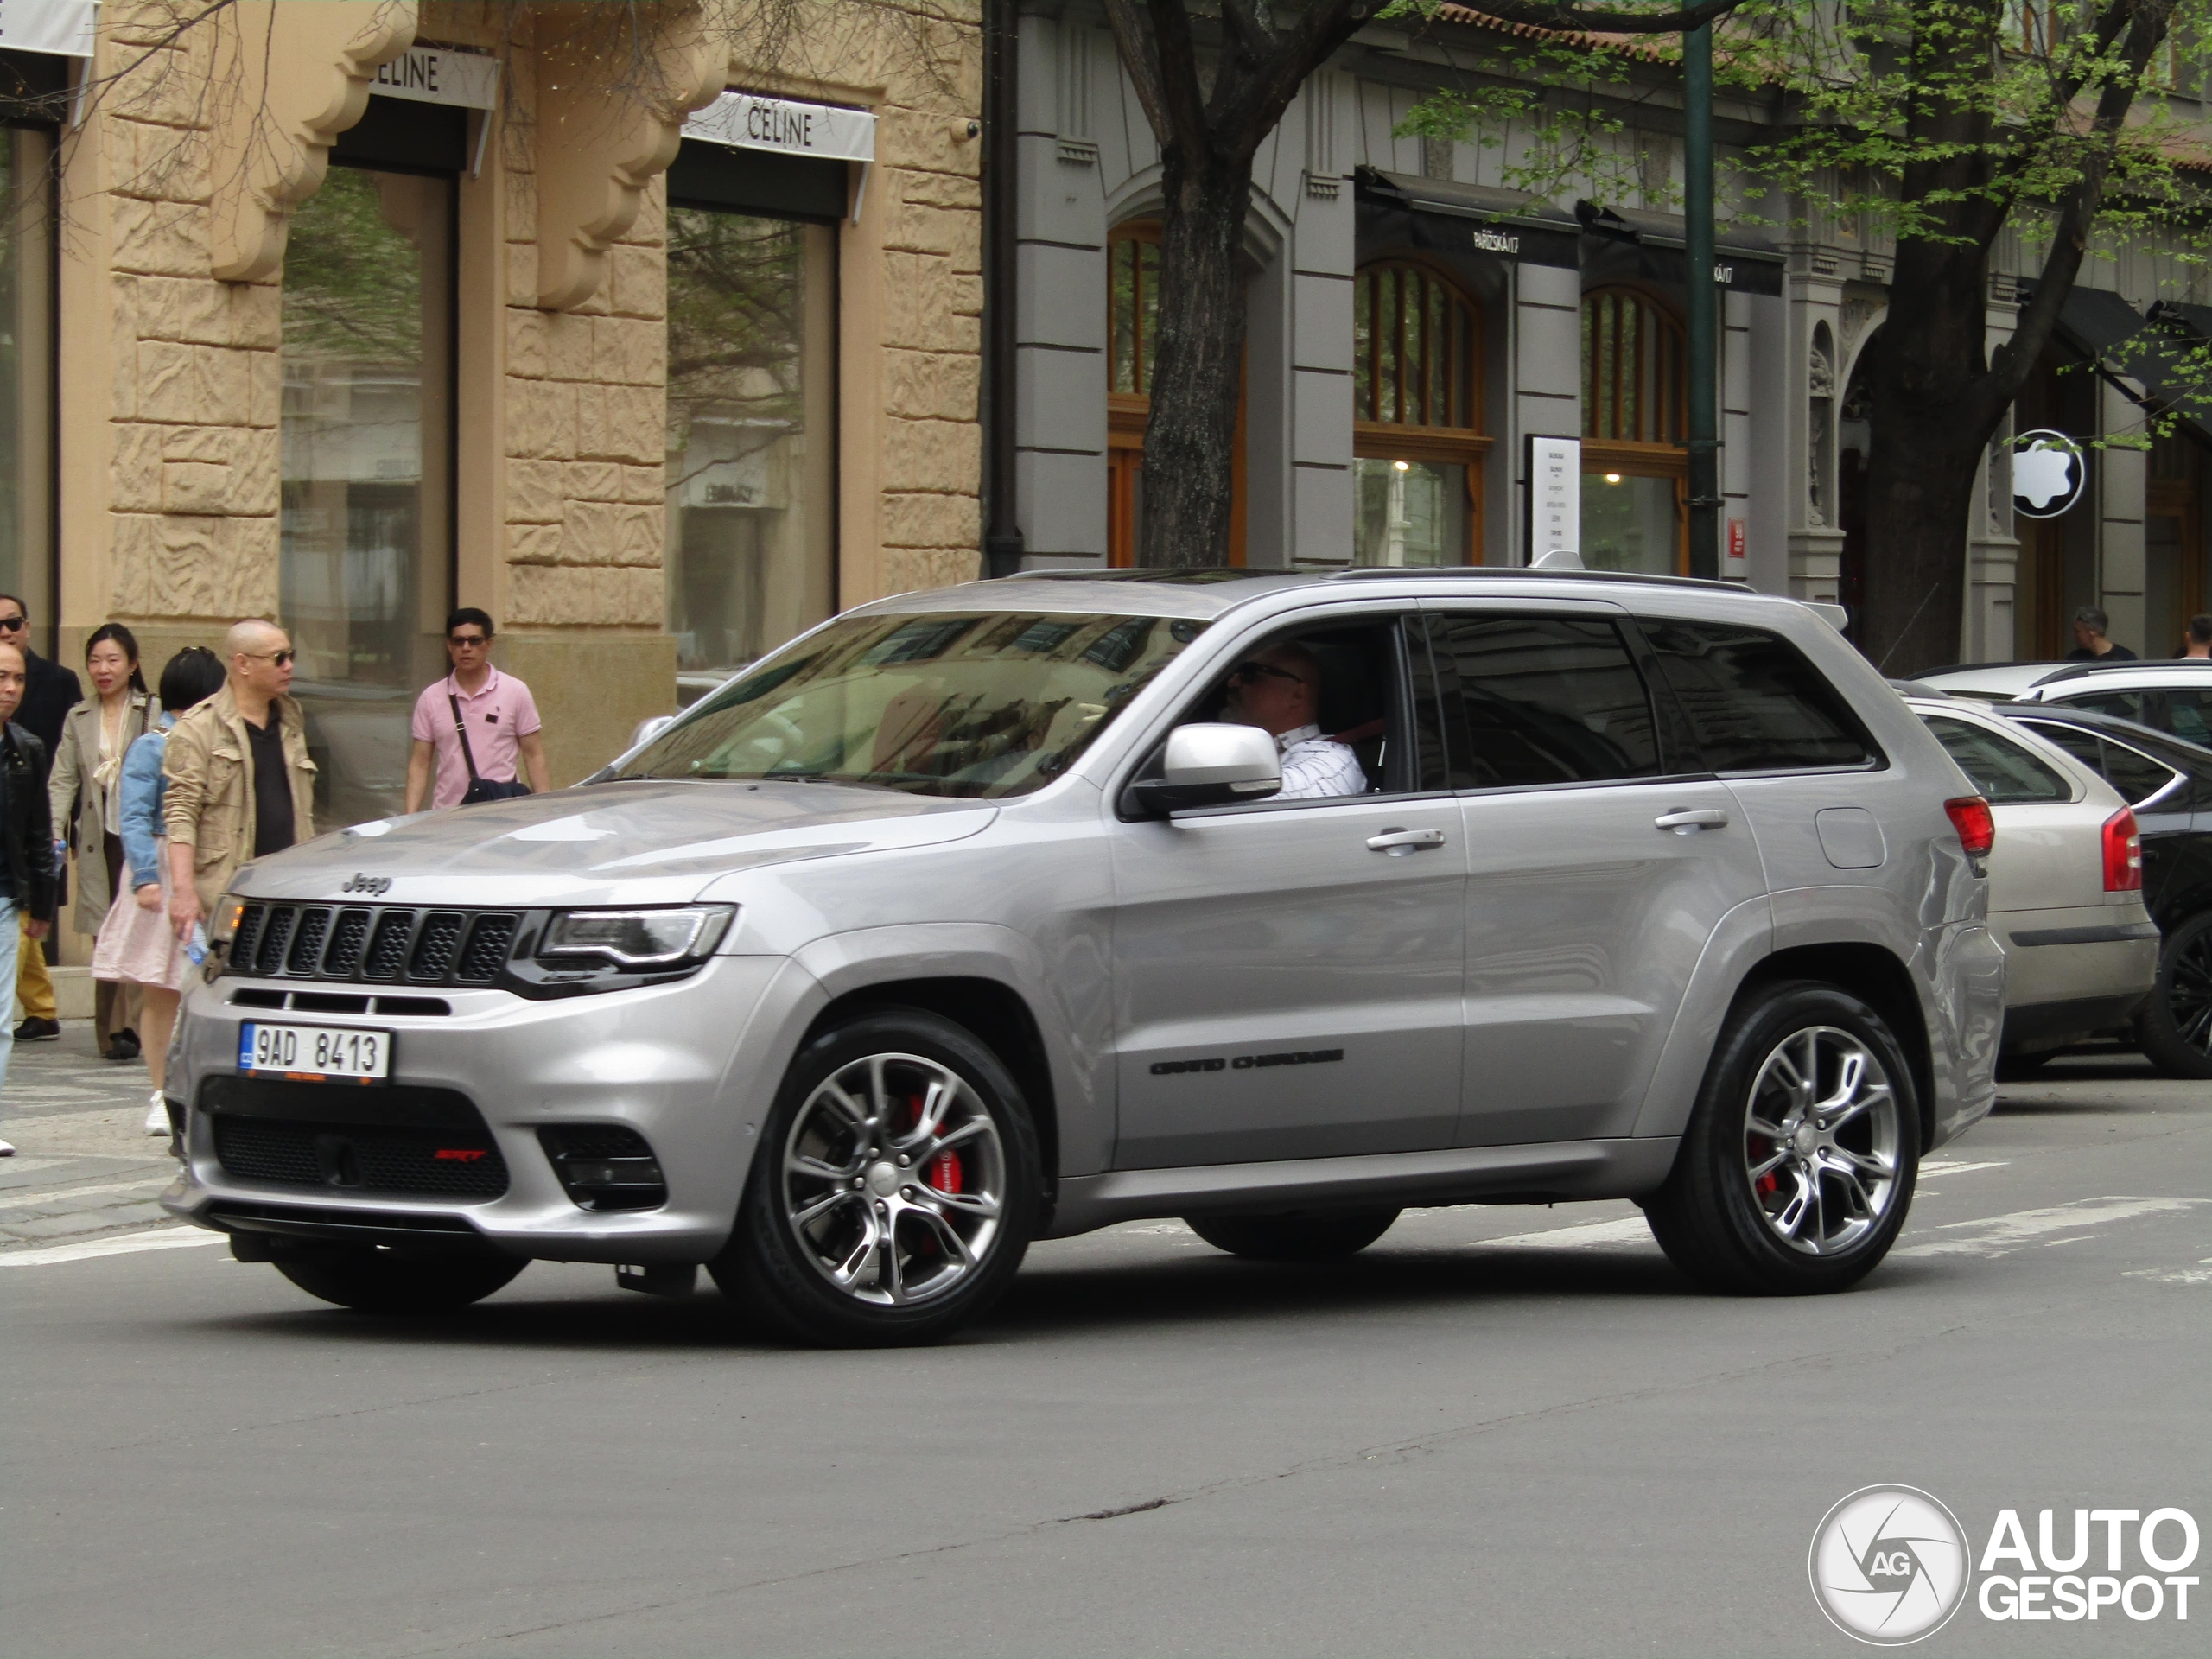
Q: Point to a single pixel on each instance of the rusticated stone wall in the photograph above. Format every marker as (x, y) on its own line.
(171, 460)
(193, 381)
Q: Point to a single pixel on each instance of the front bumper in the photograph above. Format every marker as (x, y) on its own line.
(691, 1066)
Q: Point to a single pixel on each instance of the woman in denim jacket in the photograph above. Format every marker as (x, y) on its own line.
(135, 942)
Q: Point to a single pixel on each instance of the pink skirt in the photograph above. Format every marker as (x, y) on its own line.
(139, 945)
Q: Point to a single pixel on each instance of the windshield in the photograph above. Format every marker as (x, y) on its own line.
(978, 704)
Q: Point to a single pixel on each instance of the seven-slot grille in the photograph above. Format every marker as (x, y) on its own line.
(371, 942)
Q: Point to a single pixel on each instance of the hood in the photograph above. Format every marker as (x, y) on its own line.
(610, 843)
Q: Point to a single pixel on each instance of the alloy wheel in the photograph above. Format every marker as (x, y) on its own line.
(2189, 991)
(894, 1179)
(1821, 1141)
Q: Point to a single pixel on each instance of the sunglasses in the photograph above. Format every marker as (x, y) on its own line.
(1262, 671)
(279, 657)
(467, 640)
(9, 623)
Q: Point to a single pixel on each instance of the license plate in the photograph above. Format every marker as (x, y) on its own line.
(314, 1053)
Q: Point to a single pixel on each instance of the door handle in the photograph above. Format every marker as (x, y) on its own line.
(1685, 820)
(1398, 842)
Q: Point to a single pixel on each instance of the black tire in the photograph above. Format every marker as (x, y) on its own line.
(782, 1265)
(1725, 1225)
(373, 1281)
(2175, 1028)
(1301, 1236)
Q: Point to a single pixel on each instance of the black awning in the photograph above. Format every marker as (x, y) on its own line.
(2165, 354)
(1742, 259)
(1441, 217)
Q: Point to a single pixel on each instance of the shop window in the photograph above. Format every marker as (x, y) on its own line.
(1635, 418)
(1417, 438)
(752, 415)
(1132, 319)
(367, 447)
(27, 375)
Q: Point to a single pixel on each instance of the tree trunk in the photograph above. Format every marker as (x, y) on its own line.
(1198, 374)
(1933, 407)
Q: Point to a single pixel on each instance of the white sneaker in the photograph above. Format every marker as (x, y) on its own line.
(157, 1115)
(7, 1150)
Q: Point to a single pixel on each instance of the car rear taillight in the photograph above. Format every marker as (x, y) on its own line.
(2123, 853)
(1977, 826)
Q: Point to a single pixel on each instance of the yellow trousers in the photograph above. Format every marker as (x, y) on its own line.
(33, 984)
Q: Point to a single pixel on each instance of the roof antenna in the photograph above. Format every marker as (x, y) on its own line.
(1560, 558)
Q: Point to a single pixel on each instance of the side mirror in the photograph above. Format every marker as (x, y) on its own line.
(1211, 765)
(649, 728)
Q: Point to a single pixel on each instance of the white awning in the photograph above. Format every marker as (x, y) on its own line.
(824, 131)
(62, 28)
(436, 74)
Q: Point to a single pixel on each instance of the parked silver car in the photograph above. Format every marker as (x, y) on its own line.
(2065, 882)
(965, 920)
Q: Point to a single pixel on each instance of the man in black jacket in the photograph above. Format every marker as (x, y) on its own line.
(50, 692)
(26, 835)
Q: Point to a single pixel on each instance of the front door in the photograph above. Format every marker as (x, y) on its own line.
(1596, 868)
(1286, 976)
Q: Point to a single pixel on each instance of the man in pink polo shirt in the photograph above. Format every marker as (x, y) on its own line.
(496, 709)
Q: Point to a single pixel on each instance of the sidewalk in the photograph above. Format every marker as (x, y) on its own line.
(84, 1167)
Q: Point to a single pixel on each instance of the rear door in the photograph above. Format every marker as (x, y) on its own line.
(1814, 788)
(1598, 867)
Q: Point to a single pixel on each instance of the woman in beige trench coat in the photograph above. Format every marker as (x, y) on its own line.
(84, 789)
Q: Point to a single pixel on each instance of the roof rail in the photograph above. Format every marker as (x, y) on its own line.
(2084, 671)
(1526, 573)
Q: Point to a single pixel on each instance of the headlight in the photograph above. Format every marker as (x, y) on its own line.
(645, 940)
(225, 922)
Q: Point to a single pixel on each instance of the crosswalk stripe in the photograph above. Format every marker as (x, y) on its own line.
(166, 1238)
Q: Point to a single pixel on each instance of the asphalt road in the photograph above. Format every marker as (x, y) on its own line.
(1500, 1431)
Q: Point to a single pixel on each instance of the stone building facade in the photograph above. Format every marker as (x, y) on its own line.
(1563, 320)
(346, 314)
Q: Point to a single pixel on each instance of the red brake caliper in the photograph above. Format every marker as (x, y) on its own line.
(944, 1171)
(1766, 1183)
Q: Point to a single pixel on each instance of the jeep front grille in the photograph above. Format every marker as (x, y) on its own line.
(383, 941)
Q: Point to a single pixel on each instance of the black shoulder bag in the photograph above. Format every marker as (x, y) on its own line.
(480, 788)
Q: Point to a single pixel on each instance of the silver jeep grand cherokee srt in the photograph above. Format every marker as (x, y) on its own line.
(965, 920)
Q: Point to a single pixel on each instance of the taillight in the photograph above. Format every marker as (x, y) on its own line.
(1976, 824)
(2123, 853)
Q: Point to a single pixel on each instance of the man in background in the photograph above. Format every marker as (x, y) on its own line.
(220, 817)
(49, 692)
(2197, 642)
(495, 709)
(2090, 645)
(26, 864)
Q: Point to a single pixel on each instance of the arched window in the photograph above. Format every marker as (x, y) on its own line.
(1417, 416)
(1132, 318)
(1635, 418)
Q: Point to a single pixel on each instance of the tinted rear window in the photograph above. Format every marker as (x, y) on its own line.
(1754, 703)
(2005, 773)
(2135, 775)
(1530, 699)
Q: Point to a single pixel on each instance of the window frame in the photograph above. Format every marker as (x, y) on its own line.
(1930, 718)
(1679, 721)
(1148, 754)
(1665, 456)
(1669, 737)
(1467, 446)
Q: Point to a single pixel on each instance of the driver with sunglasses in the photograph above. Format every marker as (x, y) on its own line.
(1279, 691)
(240, 784)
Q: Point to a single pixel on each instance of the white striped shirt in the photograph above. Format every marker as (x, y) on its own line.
(1315, 767)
